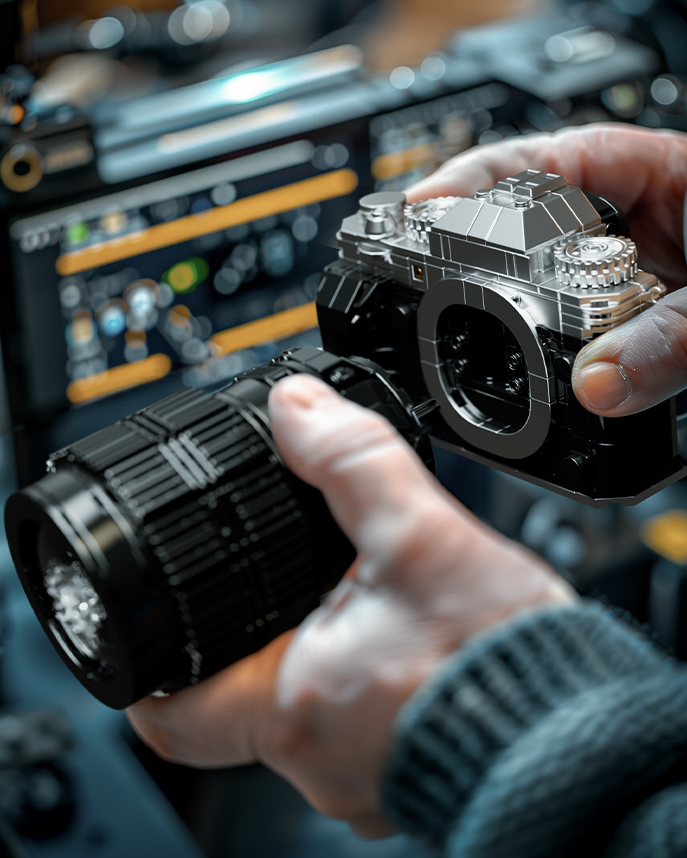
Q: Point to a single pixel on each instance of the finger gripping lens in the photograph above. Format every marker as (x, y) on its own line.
(175, 542)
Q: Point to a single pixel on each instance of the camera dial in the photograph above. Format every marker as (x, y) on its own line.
(420, 216)
(595, 260)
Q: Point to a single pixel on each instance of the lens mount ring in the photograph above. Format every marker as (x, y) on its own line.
(474, 428)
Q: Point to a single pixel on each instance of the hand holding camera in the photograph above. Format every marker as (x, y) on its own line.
(307, 682)
(317, 704)
(645, 173)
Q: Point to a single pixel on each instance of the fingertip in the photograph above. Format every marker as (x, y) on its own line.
(601, 386)
(299, 391)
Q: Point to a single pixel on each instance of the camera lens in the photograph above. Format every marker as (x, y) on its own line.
(175, 542)
(77, 609)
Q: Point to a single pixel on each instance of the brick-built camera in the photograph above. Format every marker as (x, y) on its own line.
(482, 303)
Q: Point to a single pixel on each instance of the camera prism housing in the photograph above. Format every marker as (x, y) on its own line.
(482, 303)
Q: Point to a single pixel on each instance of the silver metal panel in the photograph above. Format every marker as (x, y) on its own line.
(459, 219)
(583, 210)
(474, 296)
(509, 231)
(533, 184)
(561, 212)
(484, 222)
(435, 244)
(488, 259)
(539, 227)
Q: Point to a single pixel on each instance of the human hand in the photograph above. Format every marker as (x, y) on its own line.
(643, 361)
(317, 704)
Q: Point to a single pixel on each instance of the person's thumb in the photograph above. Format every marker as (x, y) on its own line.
(638, 364)
(371, 479)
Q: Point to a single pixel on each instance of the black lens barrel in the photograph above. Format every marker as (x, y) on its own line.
(201, 545)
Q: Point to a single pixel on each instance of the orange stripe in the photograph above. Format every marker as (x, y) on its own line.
(314, 190)
(119, 377)
(274, 327)
(393, 164)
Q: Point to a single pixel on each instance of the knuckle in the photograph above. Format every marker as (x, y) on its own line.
(669, 329)
(161, 742)
(294, 737)
(430, 524)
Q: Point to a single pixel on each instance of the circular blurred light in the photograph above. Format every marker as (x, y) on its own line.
(112, 320)
(433, 68)
(304, 228)
(136, 347)
(141, 300)
(227, 281)
(222, 195)
(624, 99)
(489, 136)
(113, 222)
(649, 118)
(583, 45)
(202, 204)
(179, 316)
(203, 327)
(337, 155)
(167, 209)
(243, 257)
(402, 77)
(186, 275)
(276, 250)
(76, 233)
(565, 547)
(105, 33)
(188, 25)
(559, 49)
(194, 350)
(165, 295)
(81, 329)
(664, 91)
(205, 20)
(70, 296)
(330, 157)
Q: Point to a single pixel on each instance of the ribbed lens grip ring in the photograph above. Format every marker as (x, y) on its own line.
(216, 509)
(199, 544)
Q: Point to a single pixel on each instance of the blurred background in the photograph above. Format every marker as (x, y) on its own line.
(172, 177)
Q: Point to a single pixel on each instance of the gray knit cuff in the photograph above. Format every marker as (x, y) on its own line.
(489, 693)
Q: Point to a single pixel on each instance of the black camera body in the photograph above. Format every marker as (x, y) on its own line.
(482, 304)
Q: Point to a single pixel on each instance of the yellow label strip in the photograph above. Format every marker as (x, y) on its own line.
(275, 327)
(119, 378)
(306, 192)
(393, 164)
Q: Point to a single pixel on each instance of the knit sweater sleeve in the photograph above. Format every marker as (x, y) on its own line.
(562, 733)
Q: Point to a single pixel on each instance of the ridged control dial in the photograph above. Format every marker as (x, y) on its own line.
(418, 216)
(595, 260)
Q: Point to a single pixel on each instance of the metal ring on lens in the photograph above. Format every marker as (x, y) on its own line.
(469, 424)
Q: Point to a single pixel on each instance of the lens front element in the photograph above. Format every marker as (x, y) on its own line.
(77, 608)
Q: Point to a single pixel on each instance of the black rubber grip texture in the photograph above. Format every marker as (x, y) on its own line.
(220, 517)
